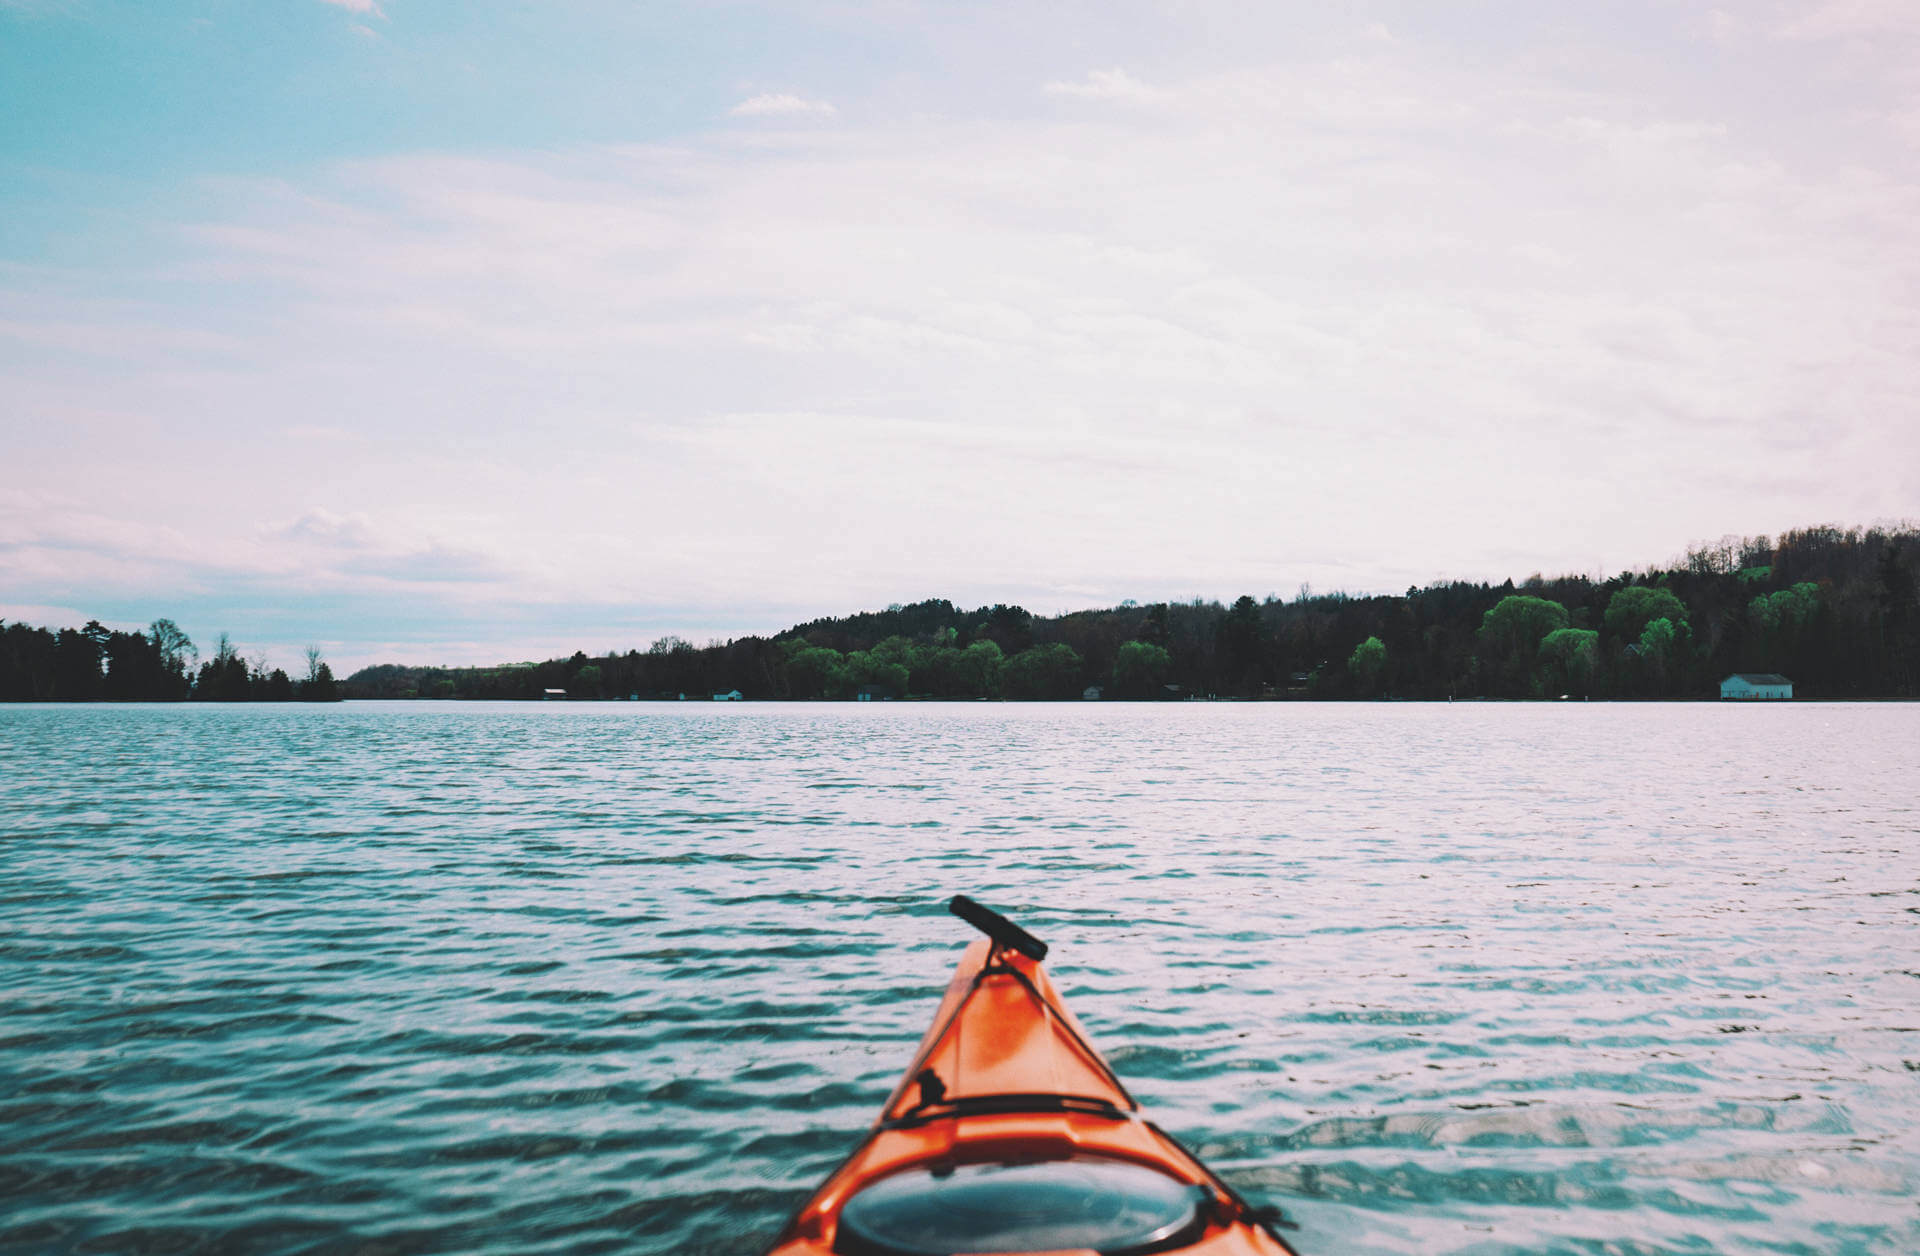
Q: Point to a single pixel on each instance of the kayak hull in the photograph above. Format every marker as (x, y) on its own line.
(1006, 1076)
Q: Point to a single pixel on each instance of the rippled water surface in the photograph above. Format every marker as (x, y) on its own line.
(422, 977)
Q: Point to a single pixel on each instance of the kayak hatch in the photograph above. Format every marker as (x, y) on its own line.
(1009, 1135)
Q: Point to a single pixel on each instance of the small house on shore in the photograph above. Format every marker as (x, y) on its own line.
(731, 695)
(1756, 687)
(1092, 693)
(553, 695)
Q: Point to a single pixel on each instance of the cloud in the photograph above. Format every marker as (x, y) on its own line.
(326, 527)
(781, 104)
(353, 548)
(1115, 84)
(276, 587)
(1851, 19)
(52, 543)
(1359, 321)
(369, 7)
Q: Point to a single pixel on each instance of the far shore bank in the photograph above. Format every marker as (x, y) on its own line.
(1818, 613)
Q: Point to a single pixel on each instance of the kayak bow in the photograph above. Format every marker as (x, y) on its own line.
(1010, 1135)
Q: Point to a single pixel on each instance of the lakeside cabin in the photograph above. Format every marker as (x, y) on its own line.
(1756, 687)
(553, 695)
(731, 695)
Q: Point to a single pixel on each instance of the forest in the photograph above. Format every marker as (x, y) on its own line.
(96, 663)
(1834, 609)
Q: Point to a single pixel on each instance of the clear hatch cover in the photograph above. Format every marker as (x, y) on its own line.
(1106, 1206)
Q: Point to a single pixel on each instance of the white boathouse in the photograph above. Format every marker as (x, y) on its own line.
(1757, 687)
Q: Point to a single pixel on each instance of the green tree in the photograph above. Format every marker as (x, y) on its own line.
(1657, 639)
(1140, 669)
(1783, 621)
(976, 672)
(1367, 666)
(1510, 636)
(587, 682)
(1659, 650)
(1789, 609)
(1569, 661)
(871, 667)
(1045, 671)
(1520, 621)
(896, 649)
(1631, 609)
(817, 672)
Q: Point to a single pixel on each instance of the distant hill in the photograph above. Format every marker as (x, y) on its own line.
(1833, 608)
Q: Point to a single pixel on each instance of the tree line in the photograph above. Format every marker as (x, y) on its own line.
(95, 663)
(1834, 609)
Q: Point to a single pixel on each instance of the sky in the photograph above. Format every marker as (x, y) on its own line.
(466, 332)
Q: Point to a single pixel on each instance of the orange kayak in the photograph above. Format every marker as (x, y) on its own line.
(1010, 1135)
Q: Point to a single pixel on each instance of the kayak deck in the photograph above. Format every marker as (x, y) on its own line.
(1009, 1128)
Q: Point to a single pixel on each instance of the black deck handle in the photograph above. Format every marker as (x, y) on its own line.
(998, 927)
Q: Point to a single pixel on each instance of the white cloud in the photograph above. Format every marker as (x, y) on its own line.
(321, 524)
(1115, 84)
(780, 104)
(52, 540)
(370, 7)
(1358, 321)
(1851, 19)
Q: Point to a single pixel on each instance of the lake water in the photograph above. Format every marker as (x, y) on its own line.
(375, 978)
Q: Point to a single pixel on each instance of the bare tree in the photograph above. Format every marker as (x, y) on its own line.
(176, 647)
